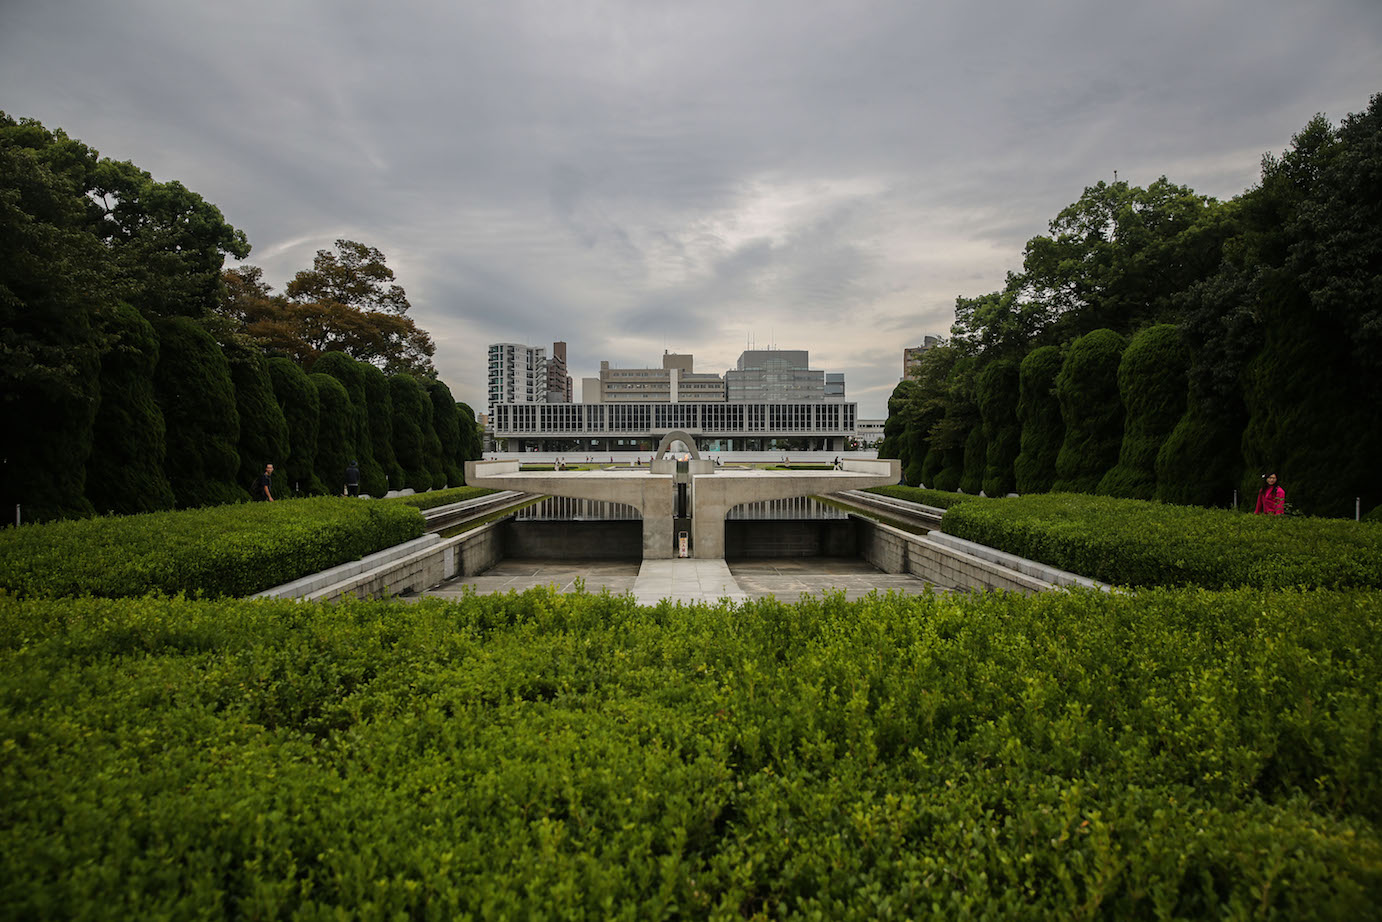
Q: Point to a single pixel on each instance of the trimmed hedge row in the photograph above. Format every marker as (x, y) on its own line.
(1182, 755)
(941, 499)
(1136, 543)
(434, 498)
(219, 551)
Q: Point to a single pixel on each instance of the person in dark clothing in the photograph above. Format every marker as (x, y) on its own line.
(262, 491)
(352, 480)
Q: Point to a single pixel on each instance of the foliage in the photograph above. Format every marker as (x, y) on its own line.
(54, 288)
(125, 473)
(297, 397)
(446, 422)
(335, 432)
(381, 425)
(997, 392)
(1038, 412)
(344, 303)
(1153, 397)
(352, 376)
(975, 460)
(435, 498)
(1161, 755)
(194, 391)
(1087, 388)
(941, 499)
(409, 402)
(1137, 543)
(472, 437)
(225, 550)
(263, 426)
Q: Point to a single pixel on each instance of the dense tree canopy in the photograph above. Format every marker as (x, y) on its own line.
(136, 372)
(1266, 356)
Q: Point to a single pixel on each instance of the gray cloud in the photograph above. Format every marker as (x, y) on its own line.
(633, 176)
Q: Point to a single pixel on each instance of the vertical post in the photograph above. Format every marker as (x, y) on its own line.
(1235, 500)
(1357, 508)
(16, 515)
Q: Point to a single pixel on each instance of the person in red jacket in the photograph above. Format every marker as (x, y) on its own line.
(1271, 499)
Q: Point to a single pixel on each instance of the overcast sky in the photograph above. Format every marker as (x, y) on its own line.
(638, 176)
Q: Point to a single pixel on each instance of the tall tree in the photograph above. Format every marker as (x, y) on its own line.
(1087, 387)
(997, 391)
(1153, 386)
(1038, 412)
(54, 289)
(297, 397)
(263, 426)
(125, 473)
(409, 401)
(351, 374)
(194, 390)
(447, 424)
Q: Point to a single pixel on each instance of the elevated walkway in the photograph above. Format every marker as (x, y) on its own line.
(657, 493)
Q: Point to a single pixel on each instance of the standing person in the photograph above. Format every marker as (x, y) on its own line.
(1271, 499)
(352, 480)
(262, 491)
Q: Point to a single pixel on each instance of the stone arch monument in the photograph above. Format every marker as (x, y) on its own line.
(677, 435)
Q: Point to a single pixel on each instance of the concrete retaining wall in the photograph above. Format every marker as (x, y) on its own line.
(409, 567)
(619, 540)
(749, 538)
(893, 550)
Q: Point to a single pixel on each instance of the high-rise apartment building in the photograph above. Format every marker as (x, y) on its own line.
(558, 381)
(911, 355)
(517, 374)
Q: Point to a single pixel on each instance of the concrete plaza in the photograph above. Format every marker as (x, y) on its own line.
(691, 580)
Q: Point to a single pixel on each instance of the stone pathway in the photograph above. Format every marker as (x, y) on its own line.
(687, 580)
(788, 578)
(615, 575)
(690, 580)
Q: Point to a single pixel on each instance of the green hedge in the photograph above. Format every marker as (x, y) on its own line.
(223, 550)
(434, 498)
(940, 498)
(1180, 755)
(1136, 543)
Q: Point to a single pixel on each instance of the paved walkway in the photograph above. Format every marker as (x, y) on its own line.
(686, 580)
(690, 580)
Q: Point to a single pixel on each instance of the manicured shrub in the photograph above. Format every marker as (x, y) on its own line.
(975, 460)
(1311, 420)
(353, 378)
(409, 402)
(125, 472)
(194, 391)
(1200, 461)
(1087, 388)
(447, 423)
(930, 469)
(1038, 412)
(381, 425)
(938, 498)
(1152, 383)
(335, 432)
(224, 550)
(297, 397)
(1138, 543)
(1073, 755)
(431, 442)
(997, 392)
(263, 427)
(472, 440)
(435, 498)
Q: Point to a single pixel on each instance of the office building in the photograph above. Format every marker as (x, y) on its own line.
(675, 382)
(780, 376)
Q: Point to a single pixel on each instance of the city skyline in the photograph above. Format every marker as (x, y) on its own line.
(629, 178)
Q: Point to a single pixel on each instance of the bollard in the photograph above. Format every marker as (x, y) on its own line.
(16, 515)
(1235, 500)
